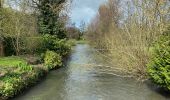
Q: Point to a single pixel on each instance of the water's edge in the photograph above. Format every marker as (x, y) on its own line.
(77, 81)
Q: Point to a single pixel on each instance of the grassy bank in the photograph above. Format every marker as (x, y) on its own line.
(16, 75)
(73, 42)
(44, 39)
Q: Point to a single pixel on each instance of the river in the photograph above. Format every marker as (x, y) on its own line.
(79, 81)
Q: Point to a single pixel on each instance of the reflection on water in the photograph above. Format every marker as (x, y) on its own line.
(78, 81)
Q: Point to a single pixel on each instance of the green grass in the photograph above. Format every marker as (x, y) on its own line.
(11, 61)
(73, 42)
(81, 42)
(16, 75)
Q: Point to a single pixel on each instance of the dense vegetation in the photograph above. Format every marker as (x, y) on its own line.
(33, 36)
(124, 33)
(52, 60)
(16, 76)
(49, 19)
(159, 66)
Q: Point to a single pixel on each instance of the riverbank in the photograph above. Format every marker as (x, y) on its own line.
(17, 74)
(21, 72)
(78, 81)
(73, 42)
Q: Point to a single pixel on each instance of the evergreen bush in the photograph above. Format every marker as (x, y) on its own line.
(159, 66)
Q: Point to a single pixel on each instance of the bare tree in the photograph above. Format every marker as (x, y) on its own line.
(124, 32)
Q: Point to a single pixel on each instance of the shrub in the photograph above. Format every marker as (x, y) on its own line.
(11, 86)
(8, 46)
(43, 43)
(16, 81)
(61, 46)
(28, 45)
(31, 45)
(52, 60)
(72, 42)
(48, 43)
(19, 78)
(159, 66)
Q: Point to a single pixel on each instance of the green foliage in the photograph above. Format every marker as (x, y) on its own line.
(10, 83)
(72, 42)
(11, 61)
(8, 46)
(61, 46)
(15, 82)
(25, 67)
(15, 73)
(14, 29)
(159, 66)
(16, 76)
(31, 45)
(40, 44)
(81, 42)
(49, 18)
(52, 60)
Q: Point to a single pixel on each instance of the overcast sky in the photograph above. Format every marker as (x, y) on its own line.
(84, 10)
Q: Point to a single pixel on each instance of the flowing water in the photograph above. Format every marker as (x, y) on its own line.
(79, 81)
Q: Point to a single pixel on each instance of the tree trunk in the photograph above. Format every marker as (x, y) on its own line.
(0, 3)
(1, 49)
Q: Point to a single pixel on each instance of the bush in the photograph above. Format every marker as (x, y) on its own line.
(62, 47)
(38, 45)
(52, 60)
(52, 43)
(72, 42)
(16, 81)
(31, 45)
(159, 66)
(18, 78)
(27, 45)
(8, 46)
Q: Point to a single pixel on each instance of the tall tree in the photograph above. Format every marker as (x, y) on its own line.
(14, 26)
(49, 17)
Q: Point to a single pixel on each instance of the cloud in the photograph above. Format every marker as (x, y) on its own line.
(83, 14)
(84, 10)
